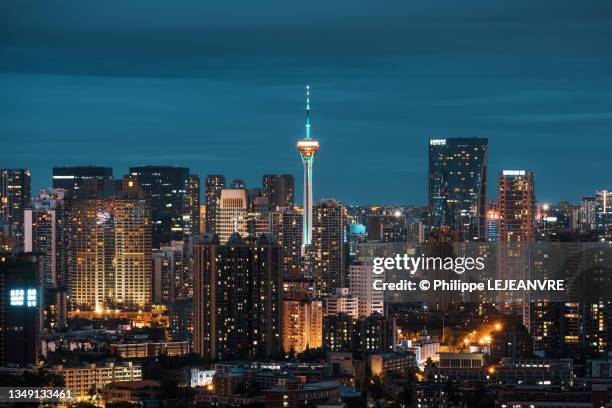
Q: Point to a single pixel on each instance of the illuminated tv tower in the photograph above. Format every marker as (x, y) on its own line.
(308, 148)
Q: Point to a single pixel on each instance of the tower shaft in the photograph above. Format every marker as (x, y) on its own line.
(307, 220)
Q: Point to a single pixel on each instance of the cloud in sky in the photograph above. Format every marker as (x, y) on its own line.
(217, 86)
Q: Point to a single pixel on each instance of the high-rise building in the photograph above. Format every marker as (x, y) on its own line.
(603, 215)
(595, 215)
(214, 185)
(232, 213)
(343, 301)
(361, 278)
(41, 237)
(308, 149)
(338, 332)
(287, 227)
(192, 206)
(20, 310)
(91, 271)
(110, 245)
(458, 188)
(175, 200)
(15, 194)
(9, 238)
(279, 190)
(181, 319)
(202, 218)
(375, 333)
(132, 253)
(415, 230)
(517, 213)
(266, 298)
(169, 274)
(84, 181)
(302, 324)
(238, 298)
(517, 210)
(587, 213)
(258, 217)
(493, 226)
(45, 236)
(327, 252)
(356, 235)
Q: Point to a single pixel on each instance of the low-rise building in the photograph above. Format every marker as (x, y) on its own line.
(142, 350)
(525, 398)
(295, 395)
(535, 372)
(197, 377)
(88, 379)
(457, 367)
(143, 392)
(383, 364)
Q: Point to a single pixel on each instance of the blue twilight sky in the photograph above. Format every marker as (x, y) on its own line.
(218, 86)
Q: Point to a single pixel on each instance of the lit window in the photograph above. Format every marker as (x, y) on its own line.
(17, 297)
(31, 298)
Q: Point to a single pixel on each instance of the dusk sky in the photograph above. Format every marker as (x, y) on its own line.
(219, 87)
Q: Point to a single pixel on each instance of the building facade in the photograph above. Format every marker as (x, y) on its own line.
(232, 213)
(361, 285)
(175, 201)
(458, 188)
(238, 297)
(327, 253)
(15, 194)
(20, 310)
(84, 181)
(302, 325)
(517, 211)
(279, 189)
(110, 246)
(214, 185)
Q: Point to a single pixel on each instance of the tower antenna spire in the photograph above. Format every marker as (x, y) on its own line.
(307, 112)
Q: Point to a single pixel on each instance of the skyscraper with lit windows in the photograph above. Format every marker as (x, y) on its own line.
(110, 245)
(492, 225)
(517, 210)
(15, 194)
(603, 215)
(286, 225)
(175, 201)
(232, 213)
(458, 188)
(238, 297)
(302, 324)
(215, 183)
(279, 190)
(20, 310)
(84, 181)
(327, 252)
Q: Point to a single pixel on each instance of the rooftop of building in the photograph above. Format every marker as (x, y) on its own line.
(134, 385)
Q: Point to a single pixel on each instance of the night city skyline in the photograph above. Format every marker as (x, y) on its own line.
(271, 204)
(185, 89)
